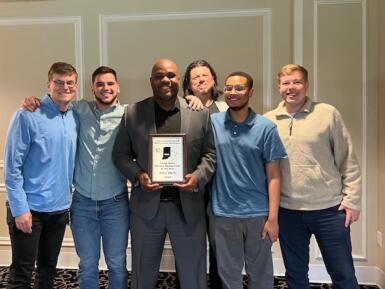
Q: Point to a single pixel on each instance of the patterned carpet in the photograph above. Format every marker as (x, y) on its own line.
(67, 279)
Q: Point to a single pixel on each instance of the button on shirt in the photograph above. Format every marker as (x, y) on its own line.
(96, 176)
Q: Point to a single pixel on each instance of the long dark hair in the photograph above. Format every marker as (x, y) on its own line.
(186, 79)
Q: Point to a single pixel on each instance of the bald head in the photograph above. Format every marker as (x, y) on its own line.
(165, 82)
(164, 63)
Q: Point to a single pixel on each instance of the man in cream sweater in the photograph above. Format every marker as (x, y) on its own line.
(321, 183)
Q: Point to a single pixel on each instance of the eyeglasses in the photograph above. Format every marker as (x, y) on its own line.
(61, 83)
(238, 88)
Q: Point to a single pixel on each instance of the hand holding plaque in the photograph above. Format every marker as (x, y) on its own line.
(167, 158)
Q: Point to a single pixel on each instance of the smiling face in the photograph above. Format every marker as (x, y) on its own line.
(293, 88)
(201, 81)
(62, 89)
(106, 89)
(237, 92)
(165, 81)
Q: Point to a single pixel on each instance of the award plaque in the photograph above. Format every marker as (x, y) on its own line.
(167, 158)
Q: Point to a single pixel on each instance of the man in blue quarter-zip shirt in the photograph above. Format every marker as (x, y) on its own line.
(39, 165)
(99, 209)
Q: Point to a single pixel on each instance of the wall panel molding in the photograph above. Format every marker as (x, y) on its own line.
(266, 15)
(76, 21)
(298, 32)
(69, 243)
(364, 167)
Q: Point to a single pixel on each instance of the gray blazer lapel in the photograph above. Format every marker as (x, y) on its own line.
(149, 115)
(184, 115)
(149, 119)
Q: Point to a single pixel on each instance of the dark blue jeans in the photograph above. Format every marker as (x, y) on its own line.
(333, 238)
(42, 247)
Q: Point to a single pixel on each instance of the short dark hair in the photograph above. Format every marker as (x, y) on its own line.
(103, 70)
(186, 79)
(61, 68)
(249, 79)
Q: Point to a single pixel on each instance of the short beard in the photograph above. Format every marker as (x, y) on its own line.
(238, 108)
(106, 102)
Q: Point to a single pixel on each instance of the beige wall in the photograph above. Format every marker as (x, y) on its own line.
(381, 135)
(338, 41)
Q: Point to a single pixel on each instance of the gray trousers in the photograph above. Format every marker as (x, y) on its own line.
(188, 244)
(238, 242)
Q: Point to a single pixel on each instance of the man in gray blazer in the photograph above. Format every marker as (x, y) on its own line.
(178, 209)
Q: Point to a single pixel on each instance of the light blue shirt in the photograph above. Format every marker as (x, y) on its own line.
(239, 187)
(96, 176)
(39, 159)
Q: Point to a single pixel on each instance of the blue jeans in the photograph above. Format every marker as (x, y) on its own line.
(333, 238)
(93, 221)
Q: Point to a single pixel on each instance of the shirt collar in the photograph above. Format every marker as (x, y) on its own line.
(107, 110)
(167, 112)
(249, 121)
(49, 101)
(306, 108)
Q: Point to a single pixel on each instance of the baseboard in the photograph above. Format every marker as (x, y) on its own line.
(370, 275)
(317, 272)
(381, 278)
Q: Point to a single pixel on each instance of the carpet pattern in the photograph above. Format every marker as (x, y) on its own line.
(67, 279)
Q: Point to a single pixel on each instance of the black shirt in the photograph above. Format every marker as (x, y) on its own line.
(213, 108)
(168, 122)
